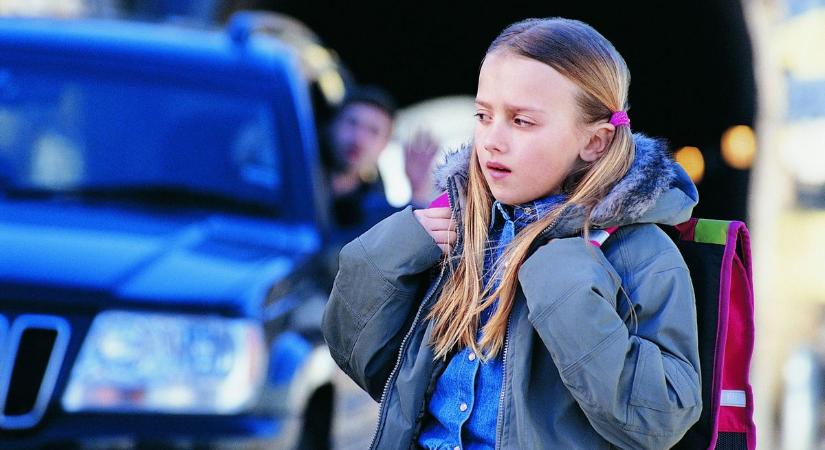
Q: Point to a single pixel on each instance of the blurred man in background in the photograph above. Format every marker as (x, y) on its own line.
(359, 132)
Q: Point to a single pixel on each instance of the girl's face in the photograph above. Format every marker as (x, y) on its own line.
(528, 137)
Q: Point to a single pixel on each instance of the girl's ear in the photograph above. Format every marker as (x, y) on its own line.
(600, 138)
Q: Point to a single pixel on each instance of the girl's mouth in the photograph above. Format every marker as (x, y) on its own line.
(497, 170)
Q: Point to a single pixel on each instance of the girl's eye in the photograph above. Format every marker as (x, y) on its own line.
(480, 116)
(521, 122)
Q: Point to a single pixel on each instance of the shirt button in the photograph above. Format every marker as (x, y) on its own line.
(463, 407)
(472, 356)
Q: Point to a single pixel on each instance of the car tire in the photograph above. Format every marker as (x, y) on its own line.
(316, 431)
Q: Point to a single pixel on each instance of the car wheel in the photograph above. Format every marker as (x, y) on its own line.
(317, 424)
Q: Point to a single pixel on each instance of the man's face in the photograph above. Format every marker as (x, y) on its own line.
(360, 133)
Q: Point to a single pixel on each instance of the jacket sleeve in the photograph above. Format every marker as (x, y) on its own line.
(637, 383)
(375, 293)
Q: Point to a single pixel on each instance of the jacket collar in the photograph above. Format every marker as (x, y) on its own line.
(654, 190)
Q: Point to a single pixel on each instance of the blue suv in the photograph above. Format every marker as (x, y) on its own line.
(162, 235)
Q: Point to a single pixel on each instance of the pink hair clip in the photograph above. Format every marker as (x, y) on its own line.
(619, 118)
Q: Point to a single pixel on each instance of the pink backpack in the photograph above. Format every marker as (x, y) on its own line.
(718, 255)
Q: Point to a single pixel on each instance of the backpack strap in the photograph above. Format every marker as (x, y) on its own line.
(735, 333)
(718, 255)
(442, 201)
(598, 237)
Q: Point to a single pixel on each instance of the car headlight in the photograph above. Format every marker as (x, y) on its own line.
(149, 362)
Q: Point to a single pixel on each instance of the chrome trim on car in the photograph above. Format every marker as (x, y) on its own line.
(8, 355)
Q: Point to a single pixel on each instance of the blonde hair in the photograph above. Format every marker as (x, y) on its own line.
(585, 57)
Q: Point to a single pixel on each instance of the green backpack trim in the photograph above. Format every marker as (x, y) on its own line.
(711, 231)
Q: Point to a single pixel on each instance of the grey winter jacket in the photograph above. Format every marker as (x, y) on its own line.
(579, 371)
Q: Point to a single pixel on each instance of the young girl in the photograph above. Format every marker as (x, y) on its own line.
(496, 323)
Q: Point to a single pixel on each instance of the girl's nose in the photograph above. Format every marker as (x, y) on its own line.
(495, 139)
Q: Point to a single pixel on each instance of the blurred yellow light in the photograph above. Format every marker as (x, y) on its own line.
(691, 159)
(739, 146)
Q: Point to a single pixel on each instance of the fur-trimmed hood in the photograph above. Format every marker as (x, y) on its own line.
(654, 190)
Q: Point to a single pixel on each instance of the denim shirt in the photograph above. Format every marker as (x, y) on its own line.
(463, 410)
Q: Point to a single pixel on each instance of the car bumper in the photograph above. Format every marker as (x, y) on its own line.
(119, 431)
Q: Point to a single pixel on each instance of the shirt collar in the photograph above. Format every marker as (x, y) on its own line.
(525, 213)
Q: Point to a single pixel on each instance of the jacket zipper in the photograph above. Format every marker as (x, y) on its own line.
(394, 372)
(550, 226)
(544, 233)
(500, 419)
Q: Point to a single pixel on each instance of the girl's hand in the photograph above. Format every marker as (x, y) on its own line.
(439, 225)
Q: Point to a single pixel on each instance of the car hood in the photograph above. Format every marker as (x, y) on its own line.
(83, 255)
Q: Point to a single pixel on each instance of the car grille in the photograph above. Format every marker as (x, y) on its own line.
(32, 348)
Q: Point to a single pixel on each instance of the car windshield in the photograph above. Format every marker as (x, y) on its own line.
(62, 133)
